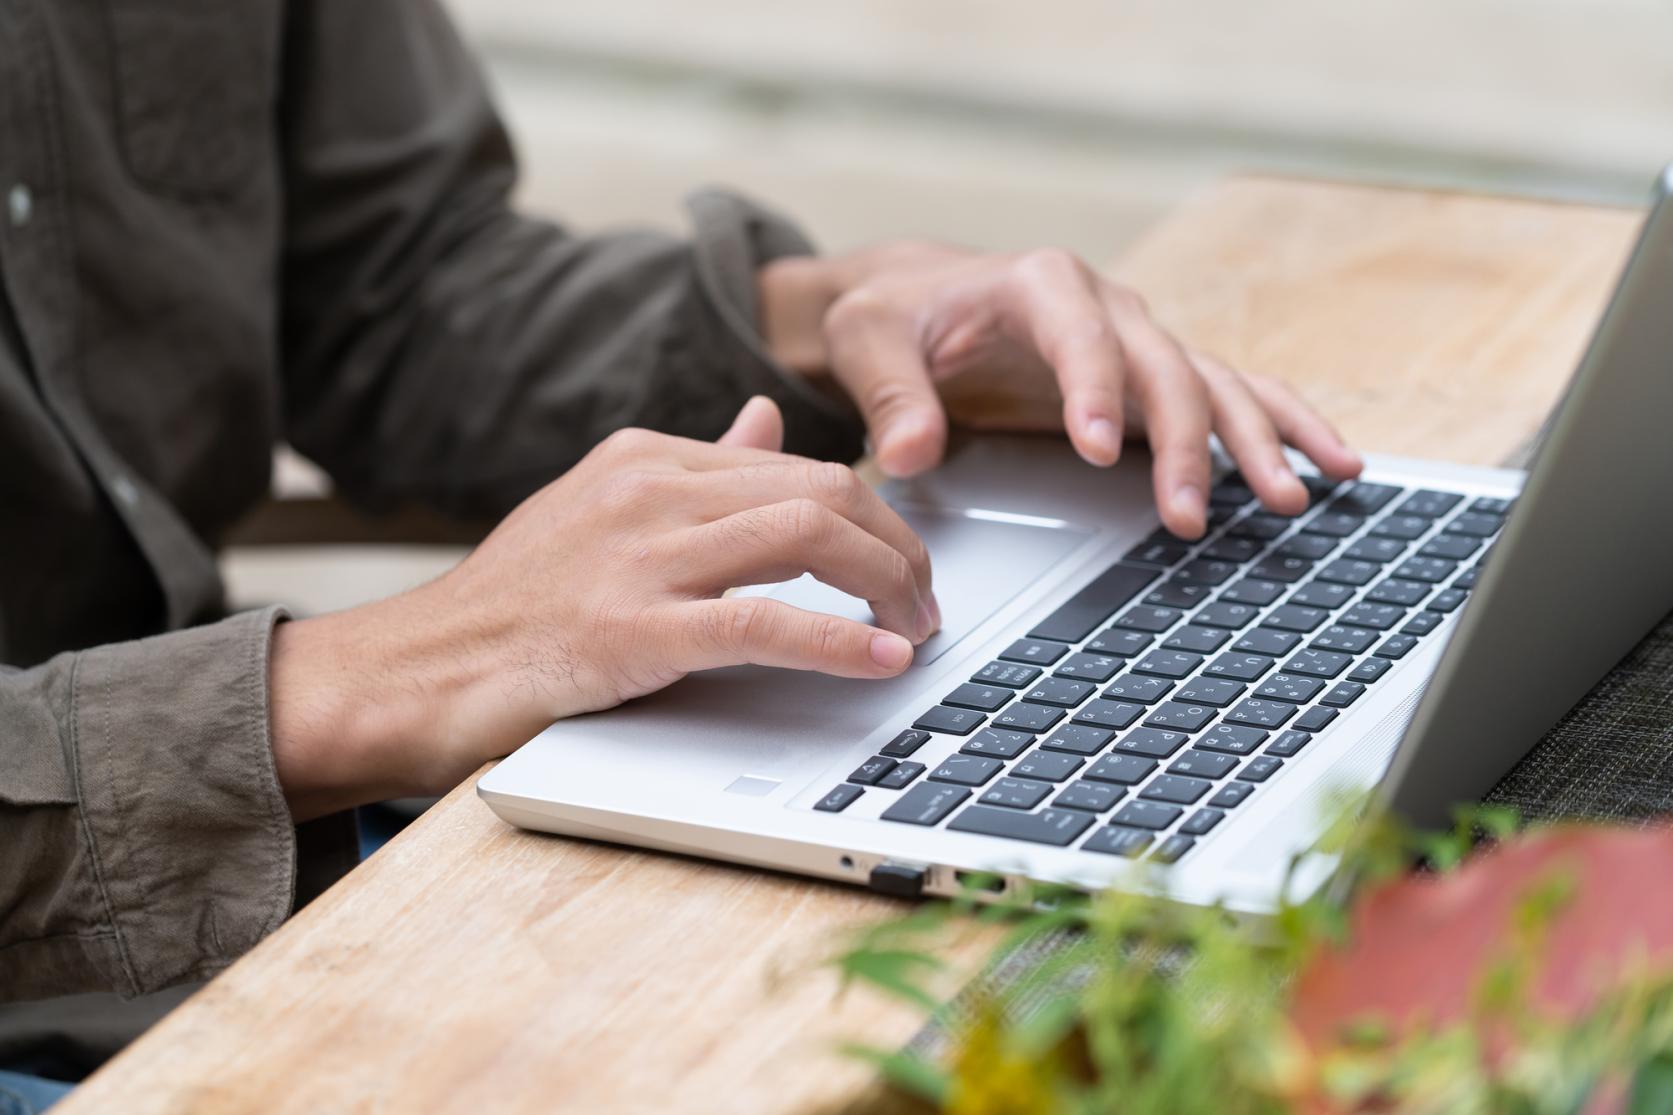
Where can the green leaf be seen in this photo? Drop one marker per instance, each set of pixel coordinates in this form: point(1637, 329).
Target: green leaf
point(1652, 1087)
point(893, 971)
point(904, 1071)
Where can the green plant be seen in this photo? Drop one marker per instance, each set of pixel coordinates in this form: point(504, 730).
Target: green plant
point(1149, 1006)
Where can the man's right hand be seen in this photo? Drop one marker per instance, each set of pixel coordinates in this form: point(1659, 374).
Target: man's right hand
point(605, 585)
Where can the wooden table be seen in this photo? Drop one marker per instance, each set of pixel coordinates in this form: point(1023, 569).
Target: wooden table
point(471, 967)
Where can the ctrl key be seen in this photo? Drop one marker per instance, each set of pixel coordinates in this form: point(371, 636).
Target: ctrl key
point(1113, 840)
point(927, 804)
point(839, 799)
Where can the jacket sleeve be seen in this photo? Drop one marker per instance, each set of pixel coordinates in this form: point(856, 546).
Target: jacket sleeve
point(144, 840)
point(438, 345)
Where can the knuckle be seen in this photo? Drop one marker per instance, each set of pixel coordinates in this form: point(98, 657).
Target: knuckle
point(804, 522)
point(1051, 264)
point(858, 309)
point(827, 638)
point(630, 442)
point(627, 490)
point(835, 483)
point(884, 397)
point(737, 627)
point(1127, 301)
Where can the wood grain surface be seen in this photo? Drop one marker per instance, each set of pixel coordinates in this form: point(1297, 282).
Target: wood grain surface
point(469, 967)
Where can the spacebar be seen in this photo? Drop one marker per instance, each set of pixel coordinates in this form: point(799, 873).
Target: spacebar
point(1095, 603)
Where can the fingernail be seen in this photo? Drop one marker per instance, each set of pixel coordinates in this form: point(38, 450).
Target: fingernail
point(926, 622)
point(1189, 498)
point(890, 651)
point(1104, 438)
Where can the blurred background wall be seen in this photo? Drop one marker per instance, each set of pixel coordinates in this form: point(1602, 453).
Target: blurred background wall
point(1005, 123)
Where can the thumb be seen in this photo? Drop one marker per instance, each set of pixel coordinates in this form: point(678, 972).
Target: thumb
point(759, 425)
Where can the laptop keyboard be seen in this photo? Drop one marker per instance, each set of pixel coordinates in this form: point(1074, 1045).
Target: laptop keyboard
point(1168, 691)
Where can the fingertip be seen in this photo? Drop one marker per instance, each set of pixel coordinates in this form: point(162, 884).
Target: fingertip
point(1184, 512)
point(891, 652)
point(1099, 442)
point(911, 444)
point(1285, 494)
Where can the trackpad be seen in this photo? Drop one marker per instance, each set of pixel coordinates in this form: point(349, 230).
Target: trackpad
point(980, 564)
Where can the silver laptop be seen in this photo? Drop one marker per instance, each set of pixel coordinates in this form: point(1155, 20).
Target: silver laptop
point(1105, 697)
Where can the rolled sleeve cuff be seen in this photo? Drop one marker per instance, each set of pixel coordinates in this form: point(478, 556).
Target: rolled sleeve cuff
point(191, 842)
point(733, 238)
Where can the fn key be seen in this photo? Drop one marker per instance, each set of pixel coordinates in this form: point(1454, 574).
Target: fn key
point(1095, 603)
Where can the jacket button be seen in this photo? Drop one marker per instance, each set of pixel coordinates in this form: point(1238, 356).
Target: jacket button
point(20, 203)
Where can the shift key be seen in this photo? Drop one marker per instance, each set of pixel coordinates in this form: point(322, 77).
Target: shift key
point(1083, 612)
point(926, 804)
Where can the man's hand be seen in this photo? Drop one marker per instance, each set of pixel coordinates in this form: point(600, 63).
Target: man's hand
point(914, 333)
point(605, 585)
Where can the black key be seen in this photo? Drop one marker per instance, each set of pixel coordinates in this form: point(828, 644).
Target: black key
point(1201, 822)
point(905, 743)
point(1260, 768)
point(1404, 527)
point(1089, 667)
point(1379, 550)
point(1146, 815)
point(1148, 618)
point(1135, 688)
point(1016, 793)
point(1429, 504)
point(1012, 675)
point(1294, 617)
point(1038, 652)
point(1048, 826)
point(1078, 739)
point(1171, 849)
point(1364, 498)
point(1233, 739)
point(1288, 743)
point(1180, 717)
point(1230, 794)
point(1343, 694)
point(1115, 841)
point(1167, 663)
point(1315, 719)
point(1062, 692)
point(1467, 579)
point(1318, 487)
point(1024, 716)
point(1337, 524)
point(1422, 623)
point(1232, 549)
point(1162, 552)
point(1152, 742)
point(901, 777)
point(1378, 617)
point(1447, 599)
point(1178, 594)
point(997, 742)
point(983, 697)
point(1231, 490)
point(1346, 572)
point(1349, 640)
point(1432, 570)
point(838, 799)
point(1259, 713)
point(868, 772)
point(1090, 796)
point(1176, 789)
point(1239, 667)
point(1201, 640)
point(1396, 646)
point(1252, 591)
point(1318, 663)
point(1118, 643)
point(1370, 670)
point(1048, 766)
point(1494, 505)
point(1127, 770)
point(1081, 614)
point(957, 721)
point(1225, 613)
point(1476, 523)
point(926, 804)
point(1287, 570)
point(966, 770)
point(1404, 593)
point(1210, 691)
point(1322, 594)
point(1265, 640)
point(1109, 714)
point(1197, 763)
point(1219, 514)
point(1293, 688)
point(1455, 547)
point(1308, 547)
point(1260, 526)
